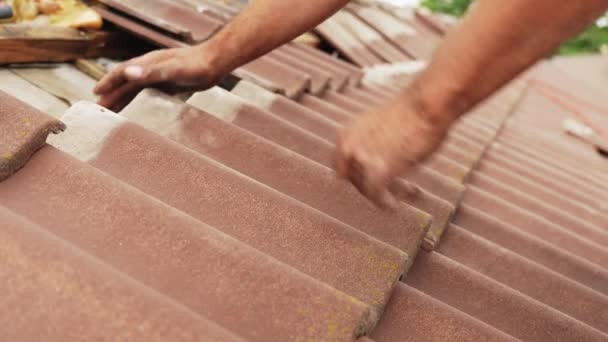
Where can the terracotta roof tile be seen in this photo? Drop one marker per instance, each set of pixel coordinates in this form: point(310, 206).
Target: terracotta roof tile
point(512, 312)
point(311, 147)
point(526, 276)
point(338, 77)
point(349, 104)
point(272, 74)
point(275, 224)
point(369, 37)
point(536, 225)
point(122, 231)
point(569, 222)
point(435, 321)
point(399, 32)
point(58, 293)
point(23, 130)
point(550, 196)
point(347, 43)
point(441, 210)
point(354, 73)
point(277, 167)
point(319, 78)
point(316, 124)
point(138, 29)
point(288, 110)
point(533, 248)
point(229, 214)
point(170, 16)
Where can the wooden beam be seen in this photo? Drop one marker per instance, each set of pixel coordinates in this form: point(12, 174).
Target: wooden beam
point(28, 44)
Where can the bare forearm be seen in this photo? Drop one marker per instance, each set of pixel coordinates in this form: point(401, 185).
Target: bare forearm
point(264, 25)
point(496, 41)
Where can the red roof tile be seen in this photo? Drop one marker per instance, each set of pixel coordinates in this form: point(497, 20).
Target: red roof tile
point(23, 130)
point(57, 292)
point(174, 220)
point(170, 16)
point(512, 312)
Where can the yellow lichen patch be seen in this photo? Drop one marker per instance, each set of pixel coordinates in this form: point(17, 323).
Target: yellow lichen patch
point(8, 156)
point(380, 264)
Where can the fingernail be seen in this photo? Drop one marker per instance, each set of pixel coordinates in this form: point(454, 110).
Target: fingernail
point(134, 71)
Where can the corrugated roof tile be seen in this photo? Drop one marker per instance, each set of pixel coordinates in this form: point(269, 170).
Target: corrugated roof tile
point(267, 220)
point(523, 256)
point(526, 276)
point(511, 311)
point(170, 16)
point(56, 292)
point(434, 321)
point(276, 167)
point(533, 248)
point(23, 131)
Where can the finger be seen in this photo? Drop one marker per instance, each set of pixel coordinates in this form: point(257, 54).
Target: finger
point(378, 192)
point(120, 97)
point(387, 200)
point(370, 178)
point(132, 70)
point(111, 81)
point(403, 189)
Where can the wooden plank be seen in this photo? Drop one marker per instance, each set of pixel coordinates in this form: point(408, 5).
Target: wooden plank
point(29, 44)
point(63, 80)
point(25, 91)
point(91, 68)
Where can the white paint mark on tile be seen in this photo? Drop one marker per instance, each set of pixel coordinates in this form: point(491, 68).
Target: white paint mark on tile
point(155, 111)
point(255, 94)
point(390, 74)
point(219, 103)
point(88, 128)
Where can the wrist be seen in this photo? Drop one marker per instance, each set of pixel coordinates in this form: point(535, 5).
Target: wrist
point(212, 62)
point(428, 109)
point(439, 98)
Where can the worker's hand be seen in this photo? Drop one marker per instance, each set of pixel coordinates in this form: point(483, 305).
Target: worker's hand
point(171, 70)
point(382, 145)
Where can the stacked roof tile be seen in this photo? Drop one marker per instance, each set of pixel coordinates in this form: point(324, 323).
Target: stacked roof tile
point(220, 218)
